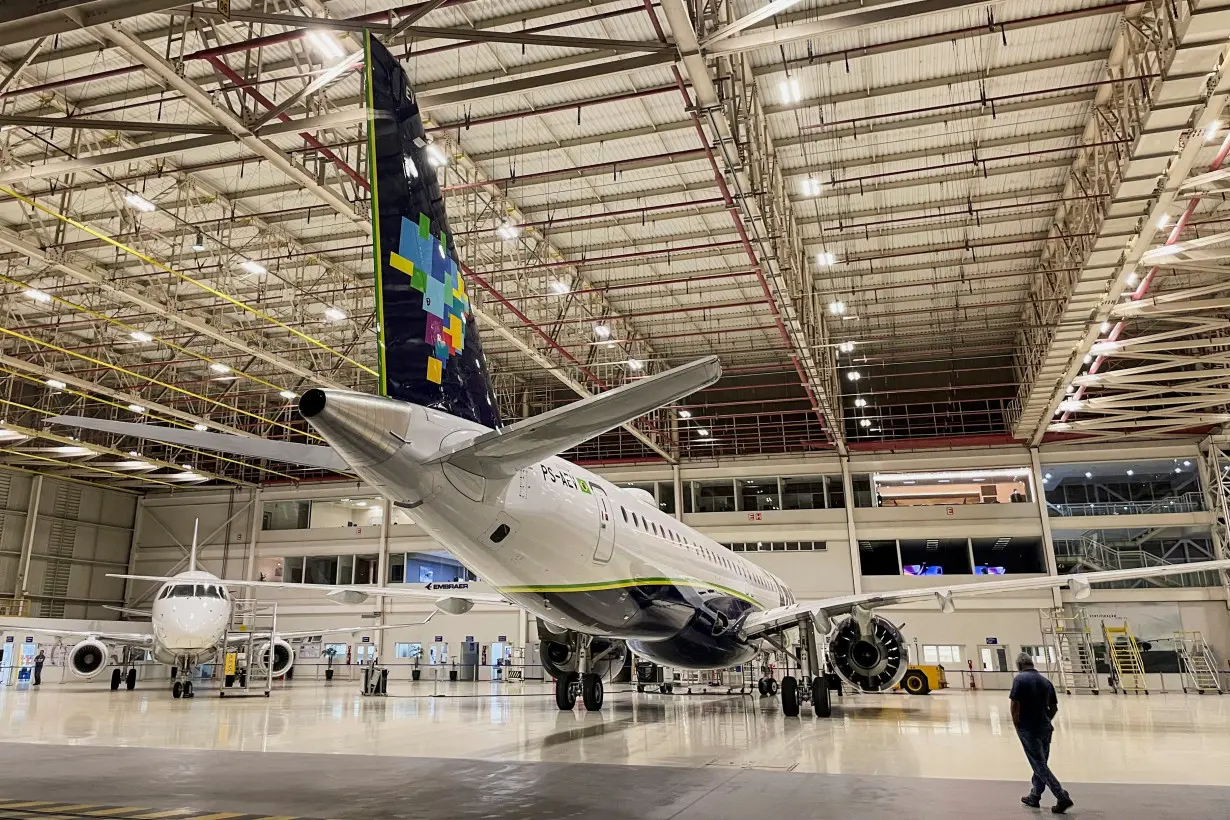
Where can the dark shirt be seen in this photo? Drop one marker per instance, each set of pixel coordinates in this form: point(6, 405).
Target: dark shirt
point(1036, 696)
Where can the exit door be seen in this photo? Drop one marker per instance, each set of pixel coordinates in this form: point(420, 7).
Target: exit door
point(606, 528)
point(365, 652)
point(994, 658)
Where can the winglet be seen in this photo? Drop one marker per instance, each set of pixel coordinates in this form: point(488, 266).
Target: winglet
point(501, 453)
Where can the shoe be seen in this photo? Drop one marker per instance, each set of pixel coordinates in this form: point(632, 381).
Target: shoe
point(1031, 801)
point(1063, 805)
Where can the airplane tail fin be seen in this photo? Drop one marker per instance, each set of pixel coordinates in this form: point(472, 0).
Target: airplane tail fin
point(196, 523)
point(428, 343)
point(501, 453)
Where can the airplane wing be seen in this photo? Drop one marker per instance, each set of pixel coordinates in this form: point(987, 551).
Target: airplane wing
point(126, 638)
point(501, 453)
point(358, 594)
point(310, 455)
point(770, 620)
point(240, 637)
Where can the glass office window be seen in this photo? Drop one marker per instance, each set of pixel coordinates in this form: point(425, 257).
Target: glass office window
point(878, 557)
point(837, 491)
point(714, 496)
point(320, 569)
point(758, 494)
point(666, 497)
point(935, 556)
point(803, 493)
point(1008, 555)
point(293, 569)
point(397, 568)
point(863, 496)
point(286, 515)
point(365, 569)
point(345, 569)
point(947, 653)
point(408, 650)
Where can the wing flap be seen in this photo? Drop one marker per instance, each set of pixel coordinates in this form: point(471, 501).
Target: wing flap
point(309, 455)
point(501, 453)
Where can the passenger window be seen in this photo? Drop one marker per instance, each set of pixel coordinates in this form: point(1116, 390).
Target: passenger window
point(625, 512)
point(634, 521)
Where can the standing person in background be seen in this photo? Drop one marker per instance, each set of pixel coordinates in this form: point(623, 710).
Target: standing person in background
point(1034, 705)
point(39, 660)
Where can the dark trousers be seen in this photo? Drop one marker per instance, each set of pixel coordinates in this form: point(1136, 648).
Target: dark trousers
point(38, 674)
point(1037, 746)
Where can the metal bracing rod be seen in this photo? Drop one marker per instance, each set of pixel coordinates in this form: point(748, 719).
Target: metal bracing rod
point(844, 17)
point(108, 125)
point(21, 64)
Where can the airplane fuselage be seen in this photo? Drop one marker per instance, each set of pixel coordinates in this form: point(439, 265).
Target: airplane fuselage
point(189, 617)
point(577, 551)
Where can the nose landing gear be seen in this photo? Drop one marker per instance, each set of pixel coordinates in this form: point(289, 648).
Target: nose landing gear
point(182, 686)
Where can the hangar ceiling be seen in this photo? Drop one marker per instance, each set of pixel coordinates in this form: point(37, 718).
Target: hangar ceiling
point(899, 224)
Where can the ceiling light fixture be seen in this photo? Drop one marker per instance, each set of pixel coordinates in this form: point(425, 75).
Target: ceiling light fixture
point(219, 367)
point(37, 295)
point(864, 422)
point(1163, 221)
point(140, 203)
point(825, 258)
point(790, 90)
point(136, 408)
point(1211, 131)
point(846, 347)
point(702, 432)
point(334, 315)
point(635, 364)
point(602, 331)
point(141, 336)
point(508, 231)
point(837, 307)
point(200, 428)
point(328, 46)
point(1088, 475)
point(559, 288)
point(1105, 326)
point(55, 384)
point(854, 375)
point(435, 157)
point(685, 414)
point(198, 244)
point(811, 187)
point(1131, 472)
point(860, 402)
point(289, 395)
point(254, 268)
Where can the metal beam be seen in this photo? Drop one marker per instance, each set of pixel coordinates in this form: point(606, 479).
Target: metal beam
point(21, 64)
point(28, 21)
point(108, 125)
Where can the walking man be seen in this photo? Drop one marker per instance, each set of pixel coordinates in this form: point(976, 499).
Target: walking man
point(1033, 706)
point(39, 660)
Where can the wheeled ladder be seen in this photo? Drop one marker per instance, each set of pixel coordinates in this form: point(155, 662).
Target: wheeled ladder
point(1196, 663)
point(1123, 653)
point(1070, 647)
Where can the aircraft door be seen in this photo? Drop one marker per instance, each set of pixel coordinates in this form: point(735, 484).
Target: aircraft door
point(606, 527)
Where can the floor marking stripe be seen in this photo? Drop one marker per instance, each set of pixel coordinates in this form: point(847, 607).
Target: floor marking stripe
point(28, 803)
point(117, 810)
point(74, 807)
point(220, 816)
point(159, 815)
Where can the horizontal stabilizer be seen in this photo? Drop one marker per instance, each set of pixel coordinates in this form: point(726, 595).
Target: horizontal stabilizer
point(501, 453)
point(310, 455)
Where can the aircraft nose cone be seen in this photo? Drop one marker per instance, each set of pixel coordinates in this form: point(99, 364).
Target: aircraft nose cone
point(365, 430)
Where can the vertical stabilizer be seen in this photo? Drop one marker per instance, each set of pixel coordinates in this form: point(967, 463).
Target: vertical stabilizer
point(429, 349)
point(196, 523)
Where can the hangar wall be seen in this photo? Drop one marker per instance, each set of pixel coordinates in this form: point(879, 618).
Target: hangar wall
point(337, 526)
point(55, 566)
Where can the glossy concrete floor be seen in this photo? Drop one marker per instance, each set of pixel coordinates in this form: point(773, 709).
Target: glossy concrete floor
point(880, 755)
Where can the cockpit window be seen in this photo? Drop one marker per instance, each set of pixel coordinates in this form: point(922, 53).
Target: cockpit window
point(182, 591)
point(166, 593)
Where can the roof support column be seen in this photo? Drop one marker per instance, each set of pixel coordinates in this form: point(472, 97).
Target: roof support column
point(856, 566)
point(27, 542)
point(1214, 476)
point(1048, 541)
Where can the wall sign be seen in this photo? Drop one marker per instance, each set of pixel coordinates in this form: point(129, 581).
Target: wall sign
point(366, 639)
point(992, 641)
point(502, 639)
point(754, 516)
point(29, 639)
point(949, 511)
point(469, 639)
point(8, 638)
point(439, 638)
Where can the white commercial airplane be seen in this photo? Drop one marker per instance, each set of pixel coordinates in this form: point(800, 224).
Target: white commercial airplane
point(189, 619)
point(600, 567)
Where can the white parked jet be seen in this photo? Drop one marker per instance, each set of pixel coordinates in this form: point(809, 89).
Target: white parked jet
point(601, 568)
point(189, 621)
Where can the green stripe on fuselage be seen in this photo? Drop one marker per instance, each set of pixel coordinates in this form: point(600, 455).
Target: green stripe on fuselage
point(632, 582)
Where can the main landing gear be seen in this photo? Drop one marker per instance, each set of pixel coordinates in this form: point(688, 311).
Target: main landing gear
point(812, 687)
point(585, 683)
point(129, 679)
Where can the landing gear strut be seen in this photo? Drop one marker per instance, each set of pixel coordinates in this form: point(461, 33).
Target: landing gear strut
point(182, 686)
point(584, 682)
point(812, 687)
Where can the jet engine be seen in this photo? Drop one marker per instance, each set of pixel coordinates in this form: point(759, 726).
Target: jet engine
point(559, 655)
point(871, 657)
point(88, 659)
point(283, 657)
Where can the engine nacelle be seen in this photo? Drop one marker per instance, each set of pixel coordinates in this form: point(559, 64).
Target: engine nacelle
point(560, 658)
point(283, 657)
point(874, 659)
point(88, 659)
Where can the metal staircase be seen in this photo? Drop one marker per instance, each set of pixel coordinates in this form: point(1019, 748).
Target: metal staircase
point(1123, 653)
point(1089, 554)
point(1196, 663)
point(1068, 640)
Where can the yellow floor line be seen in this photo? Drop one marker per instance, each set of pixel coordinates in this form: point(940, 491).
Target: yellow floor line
point(75, 807)
point(219, 816)
point(117, 810)
point(159, 815)
point(27, 804)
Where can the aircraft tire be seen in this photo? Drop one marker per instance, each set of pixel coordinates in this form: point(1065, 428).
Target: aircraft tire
point(130, 680)
point(790, 696)
point(771, 686)
point(115, 679)
point(565, 697)
point(188, 693)
point(591, 692)
point(821, 697)
point(177, 689)
point(763, 686)
point(915, 682)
